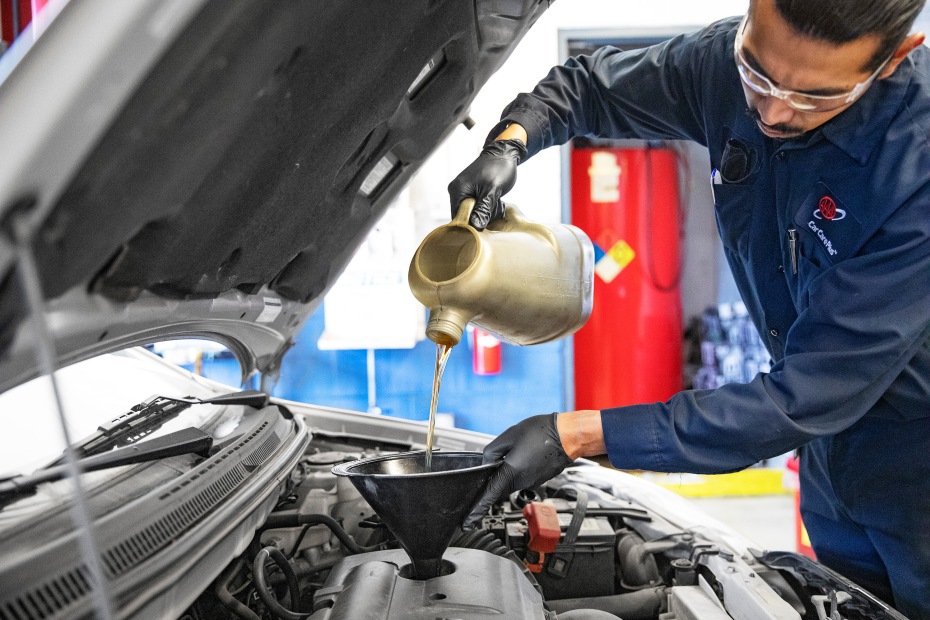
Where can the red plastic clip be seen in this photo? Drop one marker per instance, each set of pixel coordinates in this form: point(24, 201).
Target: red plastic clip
point(542, 522)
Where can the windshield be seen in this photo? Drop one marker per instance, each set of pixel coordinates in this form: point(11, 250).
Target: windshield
point(92, 392)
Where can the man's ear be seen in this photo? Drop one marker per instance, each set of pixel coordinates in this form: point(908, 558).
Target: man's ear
point(908, 45)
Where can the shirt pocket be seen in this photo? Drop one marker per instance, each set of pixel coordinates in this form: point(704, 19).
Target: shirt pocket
point(828, 227)
point(808, 269)
point(828, 233)
point(733, 208)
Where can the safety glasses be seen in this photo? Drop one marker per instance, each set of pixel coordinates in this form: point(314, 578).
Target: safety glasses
point(799, 101)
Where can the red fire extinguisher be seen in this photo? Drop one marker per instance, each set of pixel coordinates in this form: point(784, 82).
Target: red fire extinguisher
point(486, 353)
point(627, 201)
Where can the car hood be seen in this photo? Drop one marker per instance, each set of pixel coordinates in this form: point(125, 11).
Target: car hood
point(206, 168)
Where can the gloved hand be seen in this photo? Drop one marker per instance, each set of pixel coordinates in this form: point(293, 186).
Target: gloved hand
point(532, 453)
point(489, 177)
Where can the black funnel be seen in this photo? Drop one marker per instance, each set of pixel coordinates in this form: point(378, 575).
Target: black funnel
point(422, 508)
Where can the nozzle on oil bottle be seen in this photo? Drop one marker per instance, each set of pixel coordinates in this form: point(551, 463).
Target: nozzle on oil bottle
point(445, 326)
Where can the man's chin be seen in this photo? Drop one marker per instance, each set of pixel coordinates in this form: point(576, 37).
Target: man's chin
point(784, 134)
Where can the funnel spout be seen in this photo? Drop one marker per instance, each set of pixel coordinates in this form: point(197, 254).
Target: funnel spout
point(422, 508)
point(427, 568)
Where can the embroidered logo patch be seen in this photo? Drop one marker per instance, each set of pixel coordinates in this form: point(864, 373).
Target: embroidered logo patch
point(826, 209)
point(829, 223)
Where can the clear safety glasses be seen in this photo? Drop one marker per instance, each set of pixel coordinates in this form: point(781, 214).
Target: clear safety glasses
point(799, 101)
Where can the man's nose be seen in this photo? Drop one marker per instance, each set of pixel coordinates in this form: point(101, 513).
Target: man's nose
point(774, 111)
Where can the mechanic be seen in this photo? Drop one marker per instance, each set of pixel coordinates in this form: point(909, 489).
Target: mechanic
point(817, 119)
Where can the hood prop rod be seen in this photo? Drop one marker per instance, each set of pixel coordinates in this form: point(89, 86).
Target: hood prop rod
point(23, 232)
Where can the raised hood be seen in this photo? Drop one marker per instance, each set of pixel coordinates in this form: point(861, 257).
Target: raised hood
point(180, 168)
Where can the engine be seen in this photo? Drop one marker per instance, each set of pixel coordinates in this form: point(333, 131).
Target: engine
point(569, 550)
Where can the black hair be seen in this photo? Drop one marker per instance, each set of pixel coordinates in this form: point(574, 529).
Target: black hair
point(841, 21)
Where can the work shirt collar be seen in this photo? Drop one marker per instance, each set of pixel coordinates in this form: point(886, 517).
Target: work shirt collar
point(859, 129)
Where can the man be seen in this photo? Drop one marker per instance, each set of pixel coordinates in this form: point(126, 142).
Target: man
point(817, 119)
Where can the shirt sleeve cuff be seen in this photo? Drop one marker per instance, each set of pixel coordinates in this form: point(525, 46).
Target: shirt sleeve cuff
point(530, 121)
point(631, 436)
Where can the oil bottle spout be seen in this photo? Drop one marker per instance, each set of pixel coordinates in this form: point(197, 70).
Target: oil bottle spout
point(446, 326)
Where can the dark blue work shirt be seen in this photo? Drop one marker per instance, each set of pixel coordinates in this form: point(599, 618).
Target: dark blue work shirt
point(847, 318)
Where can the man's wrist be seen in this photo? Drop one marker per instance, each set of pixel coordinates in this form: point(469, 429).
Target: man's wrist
point(581, 433)
point(513, 131)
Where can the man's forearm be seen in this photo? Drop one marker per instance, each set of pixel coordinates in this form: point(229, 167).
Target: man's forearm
point(581, 433)
point(514, 131)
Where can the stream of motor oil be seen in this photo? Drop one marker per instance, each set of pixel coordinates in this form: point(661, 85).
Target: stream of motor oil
point(442, 356)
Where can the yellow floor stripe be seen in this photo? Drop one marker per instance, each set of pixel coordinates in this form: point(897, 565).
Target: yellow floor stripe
point(753, 481)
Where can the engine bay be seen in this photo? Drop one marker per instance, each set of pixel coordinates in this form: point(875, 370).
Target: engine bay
point(324, 554)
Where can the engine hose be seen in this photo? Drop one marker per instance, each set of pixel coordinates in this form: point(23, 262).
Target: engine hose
point(261, 586)
point(484, 540)
point(230, 602)
point(295, 519)
point(639, 605)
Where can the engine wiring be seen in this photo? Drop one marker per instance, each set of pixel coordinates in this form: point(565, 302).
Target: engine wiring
point(261, 586)
point(609, 544)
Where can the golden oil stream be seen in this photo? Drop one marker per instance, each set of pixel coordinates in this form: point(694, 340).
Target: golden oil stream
point(442, 356)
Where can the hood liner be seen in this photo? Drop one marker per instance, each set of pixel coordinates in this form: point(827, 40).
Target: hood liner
point(238, 163)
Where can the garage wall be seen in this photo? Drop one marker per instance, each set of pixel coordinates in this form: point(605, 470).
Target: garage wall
point(538, 189)
point(532, 379)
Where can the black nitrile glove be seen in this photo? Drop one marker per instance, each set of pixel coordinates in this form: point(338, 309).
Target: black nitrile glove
point(486, 179)
point(532, 453)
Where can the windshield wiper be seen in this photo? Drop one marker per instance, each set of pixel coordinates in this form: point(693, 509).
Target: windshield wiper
point(186, 441)
point(148, 416)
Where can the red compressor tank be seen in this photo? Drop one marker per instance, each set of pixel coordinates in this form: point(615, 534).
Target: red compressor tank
point(15, 15)
point(627, 201)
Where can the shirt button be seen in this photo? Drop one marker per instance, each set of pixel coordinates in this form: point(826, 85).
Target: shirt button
point(780, 154)
point(781, 269)
point(774, 332)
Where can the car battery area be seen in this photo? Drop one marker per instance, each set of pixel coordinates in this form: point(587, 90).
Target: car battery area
point(557, 539)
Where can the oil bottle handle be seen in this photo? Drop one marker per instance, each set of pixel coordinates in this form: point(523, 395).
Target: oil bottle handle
point(514, 221)
point(464, 212)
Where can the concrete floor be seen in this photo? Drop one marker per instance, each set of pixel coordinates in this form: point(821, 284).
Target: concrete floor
point(767, 520)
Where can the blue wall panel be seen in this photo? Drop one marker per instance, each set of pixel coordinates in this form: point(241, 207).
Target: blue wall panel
point(530, 382)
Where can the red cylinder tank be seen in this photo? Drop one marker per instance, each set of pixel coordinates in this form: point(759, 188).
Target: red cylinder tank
point(627, 201)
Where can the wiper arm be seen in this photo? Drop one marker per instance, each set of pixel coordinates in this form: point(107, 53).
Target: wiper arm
point(148, 416)
point(186, 441)
point(125, 432)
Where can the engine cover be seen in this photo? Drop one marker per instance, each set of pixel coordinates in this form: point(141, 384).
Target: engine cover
point(478, 585)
